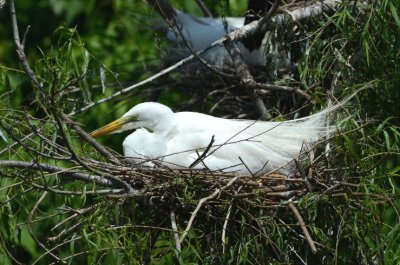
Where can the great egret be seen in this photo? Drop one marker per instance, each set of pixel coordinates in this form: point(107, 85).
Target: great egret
point(246, 147)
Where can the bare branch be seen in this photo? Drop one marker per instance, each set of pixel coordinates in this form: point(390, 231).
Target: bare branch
point(29, 221)
point(303, 227)
point(91, 141)
point(200, 204)
point(175, 229)
point(53, 169)
point(204, 8)
point(19, 47)
point(204, 154)
point(259, 87)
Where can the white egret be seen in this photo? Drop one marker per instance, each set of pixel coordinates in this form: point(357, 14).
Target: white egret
point(246, 147)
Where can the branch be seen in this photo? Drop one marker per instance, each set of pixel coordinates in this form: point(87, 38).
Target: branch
point(163, 8)
point(225, 227)
point(238, 34)
point(260, 88)
point(19, 47)
point(175, 229)
point(101, 149)
point(201, 202)
point(204, 8)
point(58, 170)
point(303, 227)
point(279, 20)
point(203, 155)
point(29, 222)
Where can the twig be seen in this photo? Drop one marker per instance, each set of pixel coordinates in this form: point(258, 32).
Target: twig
point(203, 155)
point(19, 47)
point(201, 202)
point(74, 193)
point(58, 170)
point(101, 149)
point(296, 90)
point(225, 226)
point(141, 83)
point(311, 157)
point(77, 212)
point(176, 234)
point(303, 227)
point(55, 247)
point(204, 8)
point(163, 8)
point(248, 169)
point(29, 221)
point(128, 188)
point(26, 137)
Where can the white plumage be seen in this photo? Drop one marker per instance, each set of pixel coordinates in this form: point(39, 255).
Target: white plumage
point(177, 139)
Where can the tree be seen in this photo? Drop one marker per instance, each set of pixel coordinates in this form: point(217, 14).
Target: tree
point(66, 198)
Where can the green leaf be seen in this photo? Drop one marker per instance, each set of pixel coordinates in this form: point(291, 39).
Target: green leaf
point(3, 136)
point(394, 13)
point(394, 171)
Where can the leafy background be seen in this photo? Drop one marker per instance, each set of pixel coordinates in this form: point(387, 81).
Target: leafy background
point(115, 44)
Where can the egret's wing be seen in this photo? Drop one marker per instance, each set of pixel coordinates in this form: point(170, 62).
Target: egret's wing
point(261, 145)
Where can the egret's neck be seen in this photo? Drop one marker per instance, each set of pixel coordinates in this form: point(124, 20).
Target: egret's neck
point(162, 126)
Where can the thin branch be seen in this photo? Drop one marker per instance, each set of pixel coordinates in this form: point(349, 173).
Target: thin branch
point(29, 221)
point(128, 188)
point(203, 155)
point(176, 234)
point(223, 236)
point(79, 193)
point(200, 204)
point(163, 8)
point(259, 87)
point(53, 169)
point(77, 212)
point(204, 8)
point(303, 227)
point(19, 47)
point(101, 149)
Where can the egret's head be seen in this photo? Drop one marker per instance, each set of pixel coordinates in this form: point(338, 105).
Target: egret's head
point(149, 115)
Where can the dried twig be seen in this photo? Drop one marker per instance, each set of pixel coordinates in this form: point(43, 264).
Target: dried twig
point(203, 7)
point(223, 236)
point(29, 221)
point(260, 87)
point(303, 227)
point(91, 141)
point(19, 47)
point(200, 204)
point(53, 169)
point(176, 234)
point(203, 155)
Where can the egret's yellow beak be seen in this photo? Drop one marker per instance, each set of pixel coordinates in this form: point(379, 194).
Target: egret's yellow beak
point(111, 127)
point(115, 125)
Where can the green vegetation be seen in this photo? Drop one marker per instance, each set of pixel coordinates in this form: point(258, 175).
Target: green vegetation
point(83, 51)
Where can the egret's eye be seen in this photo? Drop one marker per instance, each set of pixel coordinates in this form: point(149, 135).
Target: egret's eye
point(131, 118)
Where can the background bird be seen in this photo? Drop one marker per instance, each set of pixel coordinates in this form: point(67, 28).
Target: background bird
point(247, 147)
point(200, 32)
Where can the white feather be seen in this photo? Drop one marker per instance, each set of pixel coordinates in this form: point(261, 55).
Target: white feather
point(177, 140)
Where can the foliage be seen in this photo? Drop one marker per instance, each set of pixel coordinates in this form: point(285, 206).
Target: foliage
point(92, 49)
